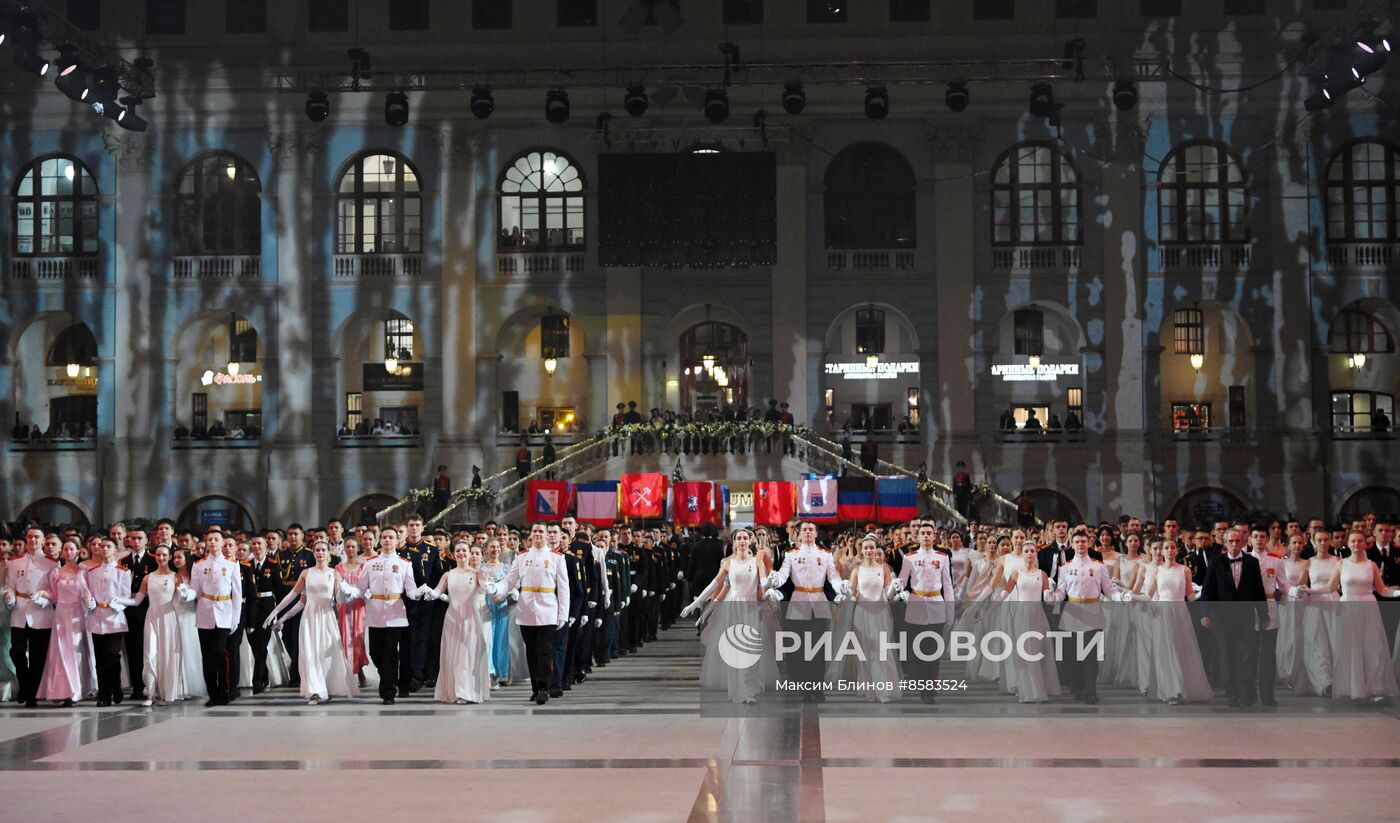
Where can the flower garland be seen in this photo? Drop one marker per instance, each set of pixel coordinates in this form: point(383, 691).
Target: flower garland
point(722, 429)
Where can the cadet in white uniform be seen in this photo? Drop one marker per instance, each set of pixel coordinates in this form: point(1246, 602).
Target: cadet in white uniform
point(31, 616)
point(1084, 582)
point(927, 581)
point(386, 580)
point(219, 584)
point(539, 577)
point(110, 586)
point(809, 567)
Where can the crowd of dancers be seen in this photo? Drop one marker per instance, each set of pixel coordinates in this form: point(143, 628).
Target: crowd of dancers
point(1180, 614)
point(210, 616)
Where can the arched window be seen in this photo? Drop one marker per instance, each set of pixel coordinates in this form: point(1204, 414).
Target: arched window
point(378, 207)
point(75, 344)
point(1363, 192)
point(218, 208)
point(1203, 196)
point(55, 208)
point(1035, 197)
point(870, 199)
point(541, 202)
point(1356, 331)
point(714, 361)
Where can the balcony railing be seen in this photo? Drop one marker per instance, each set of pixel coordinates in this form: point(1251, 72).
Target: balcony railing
point(507, 439)
point(55, 444)
point(73, 267)
point(217, 267)
point(1363, 255)
point(1035, 258)
point(841, 260)
point(1363, 433)
point(217, 443)
point(378, 441)
point(1223, 434)
point(1042, 436)
point(378, 265)
point(1205, 256)
point(528, 263)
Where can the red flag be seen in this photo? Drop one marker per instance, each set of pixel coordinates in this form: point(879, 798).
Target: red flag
point(546, 500)
point(644, 495)
point(774, 502)
point(693, 502)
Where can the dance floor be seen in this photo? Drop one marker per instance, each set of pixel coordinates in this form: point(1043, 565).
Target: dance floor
point(641, 742)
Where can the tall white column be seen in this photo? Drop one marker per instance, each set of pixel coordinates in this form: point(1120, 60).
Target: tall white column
point(946, 377)
point(624, 313)
point(792, 379)
point(461, 254)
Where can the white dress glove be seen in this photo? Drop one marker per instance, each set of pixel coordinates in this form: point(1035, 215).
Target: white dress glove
point(839, 598)
point(634, 589)
point(116, 608)
point(902, 597)
point(597, 621)
point(680, 575)
point(515, 596)
point(773, 595)
point(593, 604)
point(9, 599)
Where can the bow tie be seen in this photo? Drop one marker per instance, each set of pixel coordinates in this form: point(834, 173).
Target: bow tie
point(1237, 560)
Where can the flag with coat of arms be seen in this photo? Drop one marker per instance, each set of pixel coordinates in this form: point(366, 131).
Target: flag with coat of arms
point(547, 500)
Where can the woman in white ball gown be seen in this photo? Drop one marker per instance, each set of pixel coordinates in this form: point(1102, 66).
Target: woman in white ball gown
point(737, 590)
point(1178, 673)
point(464, 670)
point(320, 653)
point(1032, 681)
point(1361, 665)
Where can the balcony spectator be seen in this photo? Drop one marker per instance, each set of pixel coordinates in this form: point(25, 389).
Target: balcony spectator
point(20, 431)
point(1032, 422)
point(1025, 511)
point(476, 477)
point(200, 432)
point(344, 430)
point(442, 488)
point(253, 431)
point(1072, 422)
point(533, 428)
point(1055, 424)
point(847, 453)
point(1380, 423)
point(217, 430)
point(547, 456)
point(236, 433)
point(182, 432)
point(962, 490)
point(522, 460)
point(905, 427)
point(619, 419)
point(869, 452)
point(788, 420)
point(633, 416)
point(1007, 423)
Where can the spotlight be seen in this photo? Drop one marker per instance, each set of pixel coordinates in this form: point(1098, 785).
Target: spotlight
point(1319, 100)
point(128, 119)
point(1042, 102)
point(67, 61)
point(110, 109)
point(318, 106)
point(22, 35)
point(1125, 95)
point(634, 100)
point(716, 106)
point(28, 59)
point(1370, 55)
point(877, 103)
point(483, 104)
point(556, 106)
point(74, 84)
point(794, 98)
point(957, 96)
point(396, 108)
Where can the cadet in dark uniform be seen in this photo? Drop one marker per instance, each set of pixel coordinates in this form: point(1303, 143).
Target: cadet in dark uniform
point(579, 651)
point(441, 540)
point(558, 682)
point(427, 571)
point(140, 563)
point(262, 591)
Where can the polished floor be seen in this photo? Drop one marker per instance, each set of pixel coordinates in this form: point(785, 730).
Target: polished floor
point(640, 742)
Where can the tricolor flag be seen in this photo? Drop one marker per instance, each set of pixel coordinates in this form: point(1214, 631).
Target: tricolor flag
point(693, 502)
point(818, 500)
point(896, 499)
point(644, 495)
point(774, 502)
point(546, 500)
point(855, 498)
point(597, 502)
point(721, 517)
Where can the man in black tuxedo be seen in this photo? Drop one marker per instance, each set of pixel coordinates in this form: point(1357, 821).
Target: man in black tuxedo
point(706, 554)
point(1234, 578)
point(1387, 558)
point(1059, 551)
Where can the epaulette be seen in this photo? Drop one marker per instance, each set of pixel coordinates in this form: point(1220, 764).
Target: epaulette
point(556, 551)
point(825, 549)
point(792, 548)
point(245, 563)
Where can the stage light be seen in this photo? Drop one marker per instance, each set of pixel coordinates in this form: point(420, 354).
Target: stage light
point(128, 119)
point(396, 108)
point(1042, 100)
point(104, 88)
point(716, 106)
point(1370, 55)
point(67, 61)
point(28, 59)
point(634, 100)
point(74, 85)
point(20, 33)
point(1319, 100)
point(794, 98)
point(877, 103)
point(318, 106)
point(556, 106)
point(957, 97)
point(109, 110)
point(1125, 95)
point(483, 104)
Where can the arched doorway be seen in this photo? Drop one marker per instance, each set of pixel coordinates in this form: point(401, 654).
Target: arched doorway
point(714, 367)
point(1379, 500)
point(1051, 505)
point(1205, 505)
point(55, 512)
point(362, 512)
point(215, 511)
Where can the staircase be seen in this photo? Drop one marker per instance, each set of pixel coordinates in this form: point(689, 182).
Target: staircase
point(606, 456)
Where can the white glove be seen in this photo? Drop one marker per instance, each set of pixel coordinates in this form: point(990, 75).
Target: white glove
point(437, 595)
point(895, 586)
point(116, 608)
point(634, 589)
point(902, 597)
point(689, 610)
point(670, 587)
point(562, 624)
point(772, 581)
point(593, 604)
point(845, 590)
point(626, 602)
point(598, 621)
point(269, 621)
point(1000, 596)
point(348, 591)
point(9, 599)
point(773, 595)
point(277, 624)
point(515, 595)
point(491, 588)
point(680, 575)
point(186, 593)
point(571, 621)
point(90, 604)
point(40, 600)
point(839, 598)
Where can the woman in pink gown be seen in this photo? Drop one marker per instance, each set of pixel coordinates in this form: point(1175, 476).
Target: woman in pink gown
point(63, 669)
point(352, 613)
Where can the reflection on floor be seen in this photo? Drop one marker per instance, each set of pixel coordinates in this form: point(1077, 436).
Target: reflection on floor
point(641, 742)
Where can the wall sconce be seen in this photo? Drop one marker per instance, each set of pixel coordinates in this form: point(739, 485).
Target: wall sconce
point(73, 369)
point(872, 361)
point(1034, 361)
point(550, 364)
point(708, 361)
point(1356, 361)
point(1198, 360)
point(233, 368)
point(391, 364)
